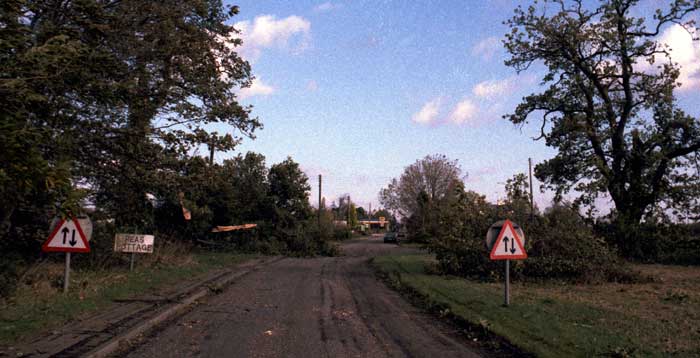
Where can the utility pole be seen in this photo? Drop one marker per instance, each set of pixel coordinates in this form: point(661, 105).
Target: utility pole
point(348, 212)
point(532, 198)
point(319, 201)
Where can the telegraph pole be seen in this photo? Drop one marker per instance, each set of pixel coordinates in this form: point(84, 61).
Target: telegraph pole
point(319, 201)
point(532, 198)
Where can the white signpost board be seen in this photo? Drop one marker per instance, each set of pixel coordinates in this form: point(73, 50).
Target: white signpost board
point(134, 243)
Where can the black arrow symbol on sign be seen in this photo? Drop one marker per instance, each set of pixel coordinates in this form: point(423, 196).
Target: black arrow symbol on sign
point(65, 233)
point(512, 247)
point(72, 241)
point(506, 241)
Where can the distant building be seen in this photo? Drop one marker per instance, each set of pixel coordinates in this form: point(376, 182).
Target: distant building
point(375, 224)
point(370, 224)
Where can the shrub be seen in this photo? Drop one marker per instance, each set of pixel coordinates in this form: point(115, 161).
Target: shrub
point(9, 274)
point(655, 243)
point(341, 233)
point(465, 257)
point(559, 245)
point(459, 245)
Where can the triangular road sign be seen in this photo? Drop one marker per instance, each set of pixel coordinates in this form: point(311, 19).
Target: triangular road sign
point(508, 245)
point(68, 236)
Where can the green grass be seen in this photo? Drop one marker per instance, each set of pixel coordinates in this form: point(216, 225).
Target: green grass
point(412, 245)
point(38, 308)
point(554, 320)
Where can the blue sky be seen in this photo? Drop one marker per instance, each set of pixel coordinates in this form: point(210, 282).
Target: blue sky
point(358, 90)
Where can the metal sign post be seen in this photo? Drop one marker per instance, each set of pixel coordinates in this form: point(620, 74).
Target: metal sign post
point(68, 236)
point(507, 288)
point(506, 241)
point(133, 254)
point(66, 275)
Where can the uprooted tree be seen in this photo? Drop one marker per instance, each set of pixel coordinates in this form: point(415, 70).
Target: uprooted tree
point(608, 105)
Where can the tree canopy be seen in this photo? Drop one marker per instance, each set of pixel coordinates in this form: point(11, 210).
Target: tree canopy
point(289, 189)
point(608, 105)
point(108, 96)
point(432, 177)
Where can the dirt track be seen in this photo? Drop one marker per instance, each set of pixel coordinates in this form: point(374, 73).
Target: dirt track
point(322, 307)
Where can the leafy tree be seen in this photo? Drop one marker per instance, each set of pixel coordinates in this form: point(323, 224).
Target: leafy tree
point(382, 213)
point(362, 213)
point(102, 102)
point(248, 178)
point(417, 196)
point(609, 106)
point(110, 95)
point(434, 175)
point(352, 216)
point(289, 190)
point(423, 225)
point(459, 239)
point(517, 203)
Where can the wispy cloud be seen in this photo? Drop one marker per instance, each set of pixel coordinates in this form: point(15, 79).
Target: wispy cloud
point(257, 88)
point(487, 48)
point(429, 112)
point(483, 105)
point(326, 6)
point(266, 31)
point(494, 88)
point(463, 112)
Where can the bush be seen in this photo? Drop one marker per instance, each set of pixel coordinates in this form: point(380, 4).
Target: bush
point(655, 243)
point(9, 274)
point(559, 245)
point(459, 245)
point(341, 233)
point(562, 246)
point(466, 257)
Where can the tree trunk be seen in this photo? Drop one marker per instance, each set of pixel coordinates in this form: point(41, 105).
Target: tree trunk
point(629, 236)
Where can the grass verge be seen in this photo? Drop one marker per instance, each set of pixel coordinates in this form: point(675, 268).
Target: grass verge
point(41, 306)
point(656, 319)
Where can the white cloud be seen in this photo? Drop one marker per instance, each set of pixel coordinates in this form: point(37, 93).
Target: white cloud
point(684, 51)
point(464, 111)
point(326, 6)
point(487, 47)
point(257, 88)
point(265, 31)
point(495, 88)
point(429, 112)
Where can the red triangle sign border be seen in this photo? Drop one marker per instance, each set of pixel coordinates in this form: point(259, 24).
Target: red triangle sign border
point(46, 248)
point(494, 256)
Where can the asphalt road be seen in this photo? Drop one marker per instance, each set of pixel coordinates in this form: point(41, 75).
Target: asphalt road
point(321, 307)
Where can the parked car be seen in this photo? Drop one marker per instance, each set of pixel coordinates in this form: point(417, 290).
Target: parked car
point(390, 237)
point(401, 235)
